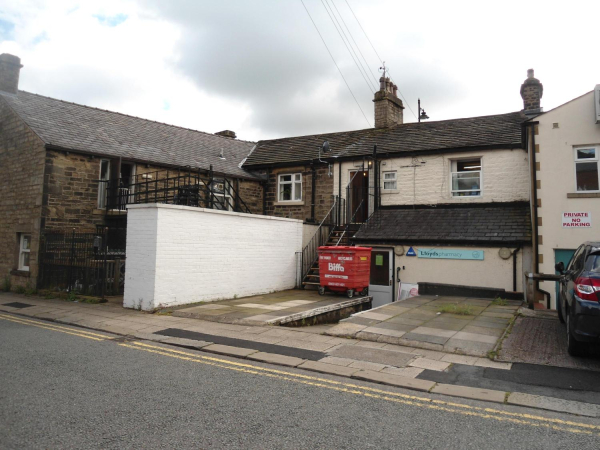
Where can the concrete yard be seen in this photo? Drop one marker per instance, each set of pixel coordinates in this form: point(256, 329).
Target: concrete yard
point(424, 322)
point(279, 308)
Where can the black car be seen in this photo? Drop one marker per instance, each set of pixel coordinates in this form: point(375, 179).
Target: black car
point(579, 302)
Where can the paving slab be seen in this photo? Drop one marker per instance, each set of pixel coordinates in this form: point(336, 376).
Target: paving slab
point(487, 395)
point(554, 404)
point(463, 335)
point(365, 365)
point(394, 380)
point(345, 329)
point(470, 348)
point(410, 372)
point(434, 332)
point(425, 338)
point(384, 331)
point(332, 369)
point(374, 355)
point(337, 361)
point(460, 359)
point(274, 358)
point(430, 364)
point(485, 362)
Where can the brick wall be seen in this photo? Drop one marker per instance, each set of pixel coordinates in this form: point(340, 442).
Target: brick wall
point(21, 172)
point(301, 210)
point(178, 255)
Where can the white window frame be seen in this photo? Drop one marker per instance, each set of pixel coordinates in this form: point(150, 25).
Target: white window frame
point(23, 251)
point(223, 195)
point(454, 169)
point(390, 180)
point(103, 186)
point(296, 179)
point(577, 160)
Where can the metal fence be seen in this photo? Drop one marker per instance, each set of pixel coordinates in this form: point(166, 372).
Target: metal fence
point(178, 187)
point(84, 263)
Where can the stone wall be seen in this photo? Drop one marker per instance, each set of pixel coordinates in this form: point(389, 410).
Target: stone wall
point(301, 210)
point(22, 173)
point(251, 192)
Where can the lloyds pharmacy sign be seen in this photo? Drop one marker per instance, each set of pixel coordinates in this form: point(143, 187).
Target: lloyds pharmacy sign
point(436, 253)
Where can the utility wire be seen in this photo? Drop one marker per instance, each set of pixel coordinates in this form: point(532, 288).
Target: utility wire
point(379, 57)
point(375, 77)
point(333, 59)
point(346, 41)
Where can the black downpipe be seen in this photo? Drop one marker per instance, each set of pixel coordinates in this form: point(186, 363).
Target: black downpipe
point(313, 194)
point(339, 215)
point(376, 180)
point(265, 185)
point(514, 255)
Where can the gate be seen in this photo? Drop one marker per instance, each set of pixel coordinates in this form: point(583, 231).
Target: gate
point(84, 263)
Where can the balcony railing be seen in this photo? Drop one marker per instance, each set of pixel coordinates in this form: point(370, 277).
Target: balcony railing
point(202, 190)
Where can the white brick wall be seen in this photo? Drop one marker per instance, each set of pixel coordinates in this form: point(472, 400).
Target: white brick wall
point(504, 173)
point(178, 255)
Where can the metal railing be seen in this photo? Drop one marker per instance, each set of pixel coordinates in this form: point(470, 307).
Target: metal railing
point(181, 187)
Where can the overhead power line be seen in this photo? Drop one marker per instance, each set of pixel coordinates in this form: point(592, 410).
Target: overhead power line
point(334, 62)
point(379, 57)
point(346, 41)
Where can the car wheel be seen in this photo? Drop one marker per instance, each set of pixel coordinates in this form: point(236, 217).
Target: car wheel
point(559, 309)
point(574, 348)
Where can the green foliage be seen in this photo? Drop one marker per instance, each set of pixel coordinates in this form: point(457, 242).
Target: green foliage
point(453, 308)
point(20, 290)
point(7, 284)
point(499, 302)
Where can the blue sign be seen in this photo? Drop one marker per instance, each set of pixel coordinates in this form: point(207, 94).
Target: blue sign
point(445, 253)
point(411, 252)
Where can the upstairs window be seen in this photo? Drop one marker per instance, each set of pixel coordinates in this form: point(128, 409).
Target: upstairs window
point(290, 187)
point(24, 249)
point(389, 181)
point(586, 169)
point(103, 183)
point(466, 178)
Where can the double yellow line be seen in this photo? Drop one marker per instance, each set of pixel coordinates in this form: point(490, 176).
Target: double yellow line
point(53, 327)
point(350, 388)
point(422, 402)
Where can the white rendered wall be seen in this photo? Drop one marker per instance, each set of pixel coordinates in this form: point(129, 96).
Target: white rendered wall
point(575, 126)
point(178, 255)
point(505, 177)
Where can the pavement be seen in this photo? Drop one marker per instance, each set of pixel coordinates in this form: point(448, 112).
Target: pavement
point(303, 348)
point(428, 322)
point(64, 386)
point(277, 308)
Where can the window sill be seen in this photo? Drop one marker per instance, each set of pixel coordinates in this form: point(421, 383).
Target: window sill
point(389, 191)
point(583, 195)
point(20, 273)
point(466, 197)
point(289, 203)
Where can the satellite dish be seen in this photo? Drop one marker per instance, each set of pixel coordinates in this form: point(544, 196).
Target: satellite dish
point(326, 148)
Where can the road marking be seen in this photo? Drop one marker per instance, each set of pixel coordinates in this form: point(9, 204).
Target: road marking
point(49, 326)
point(423, 402)
point(488, 413)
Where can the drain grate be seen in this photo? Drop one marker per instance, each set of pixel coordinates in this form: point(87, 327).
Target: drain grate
point(18, 305)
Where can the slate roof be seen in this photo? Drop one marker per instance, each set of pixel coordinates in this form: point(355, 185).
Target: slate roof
point(500, 223)
point(91, 130)
point(497, 131)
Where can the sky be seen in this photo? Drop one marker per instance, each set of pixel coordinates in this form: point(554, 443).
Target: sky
point(261, 69)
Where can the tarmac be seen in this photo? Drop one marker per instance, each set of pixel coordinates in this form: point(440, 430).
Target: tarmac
point(309, 349)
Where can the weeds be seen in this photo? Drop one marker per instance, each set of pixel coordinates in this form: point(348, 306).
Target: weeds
point(20, 290)
point(499, 302)
point(7, 284)
point(461, 310)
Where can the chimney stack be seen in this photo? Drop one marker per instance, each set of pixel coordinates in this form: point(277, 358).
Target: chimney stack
point(388, 107)
point(531, 93)
point(227, 133)
point(10, 66)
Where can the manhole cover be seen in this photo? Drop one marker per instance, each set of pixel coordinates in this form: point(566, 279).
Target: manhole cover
point(17, 305)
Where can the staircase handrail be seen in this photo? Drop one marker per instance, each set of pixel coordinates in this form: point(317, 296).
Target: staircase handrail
point(309, 252)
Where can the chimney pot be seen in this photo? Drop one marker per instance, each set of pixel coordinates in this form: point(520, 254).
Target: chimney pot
point(10, 67)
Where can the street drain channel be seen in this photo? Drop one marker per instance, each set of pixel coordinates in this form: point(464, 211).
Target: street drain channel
point(258, 346)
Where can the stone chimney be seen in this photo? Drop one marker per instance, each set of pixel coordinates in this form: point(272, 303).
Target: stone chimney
point(10, 66)
point(531, 93)
point(388, 107)
point(227, 133)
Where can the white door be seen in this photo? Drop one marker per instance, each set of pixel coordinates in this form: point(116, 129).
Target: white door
point(381, 287)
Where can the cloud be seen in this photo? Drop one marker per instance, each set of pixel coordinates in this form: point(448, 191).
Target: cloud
point(111, 21)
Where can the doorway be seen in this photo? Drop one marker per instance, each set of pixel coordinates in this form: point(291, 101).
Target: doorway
point(563, 256)
point(359, 196)
point(381, 287)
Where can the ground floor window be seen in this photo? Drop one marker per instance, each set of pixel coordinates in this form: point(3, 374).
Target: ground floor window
point(222, 199)
point(466, 177)
point(24, 249)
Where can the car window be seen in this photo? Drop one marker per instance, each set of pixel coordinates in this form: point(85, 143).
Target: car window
point(592, 263)
point(575, 262)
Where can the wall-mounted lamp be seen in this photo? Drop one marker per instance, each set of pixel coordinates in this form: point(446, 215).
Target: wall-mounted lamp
point(422, 114)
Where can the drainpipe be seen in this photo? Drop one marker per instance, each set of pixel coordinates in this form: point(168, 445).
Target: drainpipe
point(339, 218)
point(514, 255)
point(313, 195)
point(376, 180)
point(265, 185)
point(535, 213)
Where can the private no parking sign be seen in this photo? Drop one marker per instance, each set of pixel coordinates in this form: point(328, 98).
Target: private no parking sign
point(577, 220)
